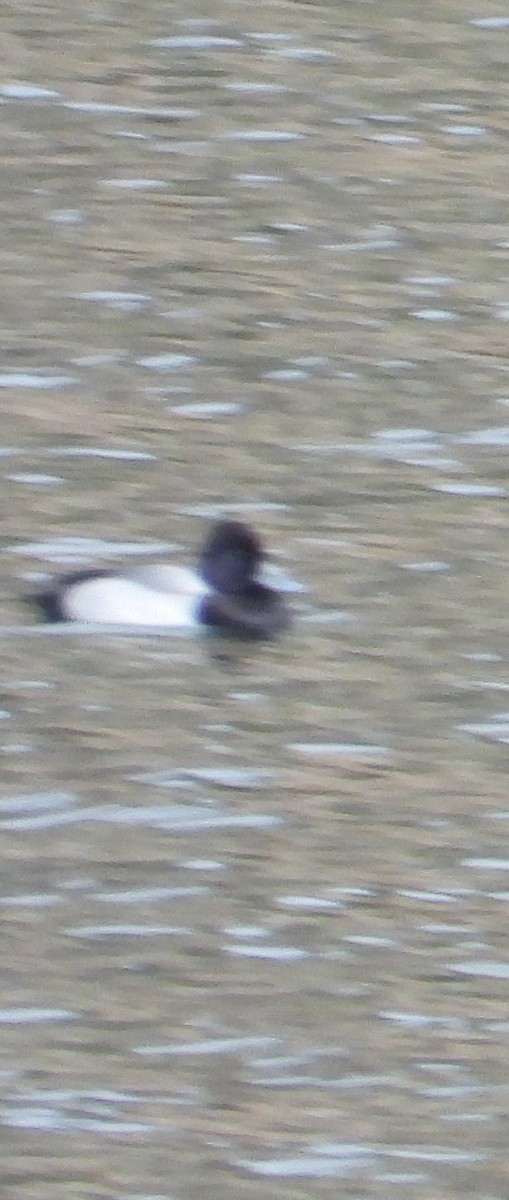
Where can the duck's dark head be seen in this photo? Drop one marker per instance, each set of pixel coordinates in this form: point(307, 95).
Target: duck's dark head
point(230, 558)
point(239, 604)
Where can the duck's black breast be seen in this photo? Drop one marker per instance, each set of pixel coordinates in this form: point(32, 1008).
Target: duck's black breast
point(256, 612)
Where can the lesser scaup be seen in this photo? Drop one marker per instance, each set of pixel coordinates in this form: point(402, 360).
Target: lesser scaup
point(225, 593)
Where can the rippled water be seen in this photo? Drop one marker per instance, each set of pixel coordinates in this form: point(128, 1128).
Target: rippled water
point(254, 898)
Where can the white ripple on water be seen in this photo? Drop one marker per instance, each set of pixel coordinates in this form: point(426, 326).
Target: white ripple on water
point(247, 931)
point(445, 106)
point(495, 730)
point(30, 379)
point(176, 818)
point(303, 53)
point(309, 903)
point(443, 927)
point(203, 864)
point(35, 1016)
point(213, 511)
point(195, 42)
point(396, 139)
point(244, 778)
point(434, 565)
point(136, 184)
point(17, 1116)
point(340, 750)
point(414, 1020)
point(308, 1079)
point(143, 895)
point(436, 1156)
point(381, 237)
point(410, 434)
point(251, 86)
point(125, 301)
point(166, 362)
point(486, 970)
point(472, 131)
point(271, 38)
point(271, 953)
point(39, 900)
point(35, 801)
point(497, 435)
point(101, 932)
point(35, 480)
point(484, 656)
point(27, 91)
point(387, 119)
point(206, 410)
point(102, 452)
point(88, 629)
point(78, 549)
point(258, 239)
point(257, 180)
point(415, 447)
point(469, 489)
point(312, 360)
point(322, 1161)
point(431, 281)
point(452, 1092)
point(435, 314)
point(98, 106)
point(64, 1109)
point(224, 1045)
point(67, 216)
point(376, 943)
point(261, 135)
point(232, 777)
point(490, 22)
point(286, 374)
point(488, 864)
point(428, 897)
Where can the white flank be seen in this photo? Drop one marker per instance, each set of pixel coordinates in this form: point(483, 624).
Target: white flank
point(153, 595)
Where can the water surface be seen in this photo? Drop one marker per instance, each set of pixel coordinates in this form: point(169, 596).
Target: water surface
point(254, 899)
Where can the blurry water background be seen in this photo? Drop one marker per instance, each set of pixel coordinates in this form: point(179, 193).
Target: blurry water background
point(255, 900)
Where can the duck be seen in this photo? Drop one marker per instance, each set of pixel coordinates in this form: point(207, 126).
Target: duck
point(225, 594)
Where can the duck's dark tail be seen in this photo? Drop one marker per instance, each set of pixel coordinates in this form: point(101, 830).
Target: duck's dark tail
point(51, 600)
point(49, 605)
